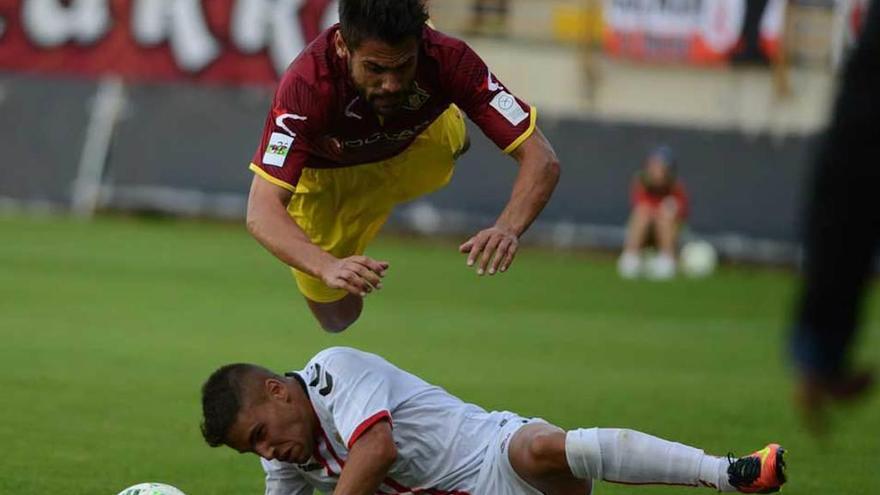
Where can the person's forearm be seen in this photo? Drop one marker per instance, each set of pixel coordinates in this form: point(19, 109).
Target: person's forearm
point(280, 235)
point(534, 185)
point(363, 474)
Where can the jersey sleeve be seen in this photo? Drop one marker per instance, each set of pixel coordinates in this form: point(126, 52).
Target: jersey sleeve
point(283, 479)
point(357, 389)
point(288, 135)
point(503, 118)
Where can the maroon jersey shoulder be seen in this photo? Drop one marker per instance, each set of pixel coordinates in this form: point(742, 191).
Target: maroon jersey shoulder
point(319, 119)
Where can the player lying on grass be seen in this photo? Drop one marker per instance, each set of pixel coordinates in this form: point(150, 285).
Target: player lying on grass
point(370, 116)
point(351, 423)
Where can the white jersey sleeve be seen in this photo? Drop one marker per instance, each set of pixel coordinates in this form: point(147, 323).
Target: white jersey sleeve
point(284, 479)
point(356, 388)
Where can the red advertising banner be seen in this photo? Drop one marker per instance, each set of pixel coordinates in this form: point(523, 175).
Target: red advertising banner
point(221, 41)
point(694, 31)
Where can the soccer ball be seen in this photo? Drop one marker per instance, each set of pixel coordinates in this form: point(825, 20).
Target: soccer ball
point(698, 259)
point(151, 489)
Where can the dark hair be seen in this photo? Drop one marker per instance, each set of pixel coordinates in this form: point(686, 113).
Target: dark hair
point(391, 21)
point(665, 154)
point(224, 394)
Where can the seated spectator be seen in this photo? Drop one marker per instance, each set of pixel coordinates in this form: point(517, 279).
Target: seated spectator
point(659, 207)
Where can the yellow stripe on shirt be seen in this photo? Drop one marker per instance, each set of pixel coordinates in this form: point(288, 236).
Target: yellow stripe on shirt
point(533, 120)
point(278, 182)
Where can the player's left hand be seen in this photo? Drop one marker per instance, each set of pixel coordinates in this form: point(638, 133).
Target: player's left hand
point(492, 250)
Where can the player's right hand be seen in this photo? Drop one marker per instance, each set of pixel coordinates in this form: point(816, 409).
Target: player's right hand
point(359, 275)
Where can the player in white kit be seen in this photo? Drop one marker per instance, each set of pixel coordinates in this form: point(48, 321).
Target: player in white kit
point(352, 423)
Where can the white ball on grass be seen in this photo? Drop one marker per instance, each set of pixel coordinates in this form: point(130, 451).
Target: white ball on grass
point(151, 489)
point(698, 259)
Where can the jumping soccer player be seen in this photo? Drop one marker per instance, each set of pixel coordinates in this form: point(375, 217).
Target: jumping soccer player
point(351, 423)
point(369, 116)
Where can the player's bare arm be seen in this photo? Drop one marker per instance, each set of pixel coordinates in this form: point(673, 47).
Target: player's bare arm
point(493, 249)
point(368, 461)
point(269, 222)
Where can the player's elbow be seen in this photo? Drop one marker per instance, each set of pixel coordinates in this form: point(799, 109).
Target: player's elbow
point(548, 176)
point(253, 223)
point(384, 450)
point(387, 452)
point(553, 170)
point(256, 220)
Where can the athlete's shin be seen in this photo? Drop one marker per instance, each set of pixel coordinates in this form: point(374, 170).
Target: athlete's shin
point(632, 457)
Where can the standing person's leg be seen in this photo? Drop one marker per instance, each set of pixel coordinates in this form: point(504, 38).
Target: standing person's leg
point(558, 462)
point(843, 224)
point(478, 16)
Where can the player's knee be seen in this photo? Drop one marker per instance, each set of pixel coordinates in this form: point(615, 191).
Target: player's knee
point(546, 447)
point(337, 316)
point(337, 323)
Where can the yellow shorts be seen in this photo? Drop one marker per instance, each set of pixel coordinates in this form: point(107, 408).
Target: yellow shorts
point(342, 209)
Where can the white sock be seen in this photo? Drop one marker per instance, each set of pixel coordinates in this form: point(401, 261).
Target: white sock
point(627, 456)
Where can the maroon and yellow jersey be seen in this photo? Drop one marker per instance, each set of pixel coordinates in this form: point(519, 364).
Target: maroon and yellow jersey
point(319, 120)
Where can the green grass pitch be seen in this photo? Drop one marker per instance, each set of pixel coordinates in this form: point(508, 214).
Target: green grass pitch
point(108, 329)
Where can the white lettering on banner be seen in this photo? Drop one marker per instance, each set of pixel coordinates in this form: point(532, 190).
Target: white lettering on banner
point(722, 23)
point(668, 17)
point(50, 23)
point(182, 24)
point(272, 24)
point(773, 21)
point(255, 25)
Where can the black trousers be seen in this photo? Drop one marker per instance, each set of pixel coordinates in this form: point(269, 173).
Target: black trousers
point(842, 216)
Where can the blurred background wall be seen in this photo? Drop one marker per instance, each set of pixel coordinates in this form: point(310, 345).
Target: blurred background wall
point(155, 105)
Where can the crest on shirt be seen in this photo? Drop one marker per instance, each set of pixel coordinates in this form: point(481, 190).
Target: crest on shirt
point(417, 99)
point(277, 149)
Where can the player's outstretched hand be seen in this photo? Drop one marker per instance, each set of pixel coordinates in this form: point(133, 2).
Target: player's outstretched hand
point(492, 250)
point(358, 275)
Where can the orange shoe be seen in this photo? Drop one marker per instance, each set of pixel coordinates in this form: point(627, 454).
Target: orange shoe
point(761, 472)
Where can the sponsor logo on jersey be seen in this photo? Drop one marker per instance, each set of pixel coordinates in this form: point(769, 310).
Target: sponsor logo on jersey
point(349, 112)
point(277, 149)
point(403, 135)
point(323, 379)
point(279, 121)
point(505, 104)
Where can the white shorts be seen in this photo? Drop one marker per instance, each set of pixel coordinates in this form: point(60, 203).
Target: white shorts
point(497, 476)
